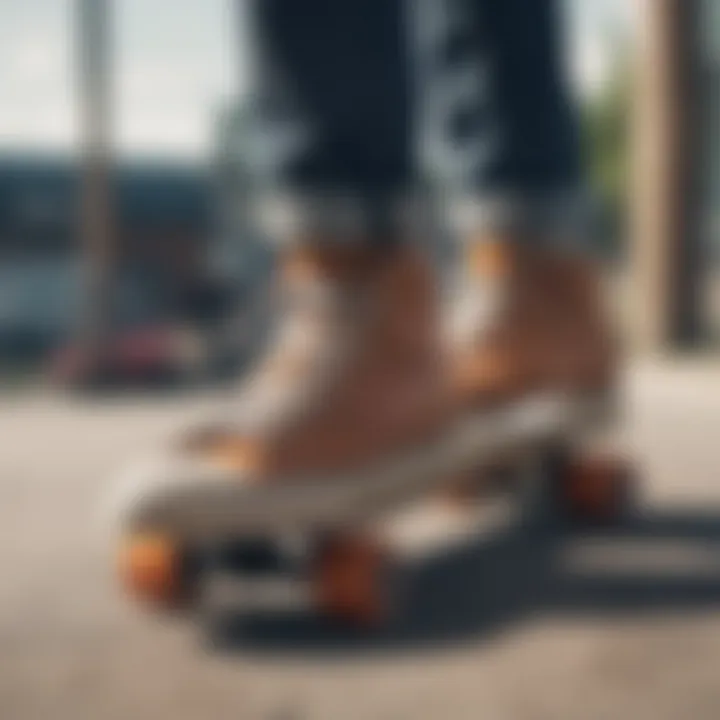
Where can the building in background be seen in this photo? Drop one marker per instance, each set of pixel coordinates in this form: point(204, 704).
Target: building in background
point(163, 220)
point(239, 251)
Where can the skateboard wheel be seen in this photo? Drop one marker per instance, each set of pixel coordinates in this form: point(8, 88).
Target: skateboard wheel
point(155, 569)
point(350, 583)
point(595, 489)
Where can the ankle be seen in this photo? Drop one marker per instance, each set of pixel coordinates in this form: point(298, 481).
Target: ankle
point(324, 260)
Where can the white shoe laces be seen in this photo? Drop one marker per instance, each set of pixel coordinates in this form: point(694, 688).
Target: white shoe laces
point(309, 344)
point(475, 308)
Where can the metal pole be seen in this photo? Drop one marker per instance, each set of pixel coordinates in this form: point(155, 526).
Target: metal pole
point(665, 238)
point(96, 225)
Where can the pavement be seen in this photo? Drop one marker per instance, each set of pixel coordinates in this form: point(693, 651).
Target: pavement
point(509, 625)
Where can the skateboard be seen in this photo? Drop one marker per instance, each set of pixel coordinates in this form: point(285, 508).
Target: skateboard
point(328, 539)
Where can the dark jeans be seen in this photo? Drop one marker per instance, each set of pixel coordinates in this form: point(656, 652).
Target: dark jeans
point(357, 103)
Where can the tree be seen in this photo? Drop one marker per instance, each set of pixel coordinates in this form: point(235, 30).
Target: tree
point(606, 131)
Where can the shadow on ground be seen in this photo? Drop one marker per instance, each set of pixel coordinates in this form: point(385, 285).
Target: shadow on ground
point(501, 581)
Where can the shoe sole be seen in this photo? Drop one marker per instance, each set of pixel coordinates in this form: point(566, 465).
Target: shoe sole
point(203, 504)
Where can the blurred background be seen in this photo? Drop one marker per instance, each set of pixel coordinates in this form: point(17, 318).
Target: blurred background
point(128, 260)
point(122, 211)
point(123, 192)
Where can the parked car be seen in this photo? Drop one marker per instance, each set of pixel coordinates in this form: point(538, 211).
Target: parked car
point(38, 301)
point(149, 341)
point(147, 354)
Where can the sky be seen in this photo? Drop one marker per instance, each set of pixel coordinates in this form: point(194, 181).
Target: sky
point(178, 61)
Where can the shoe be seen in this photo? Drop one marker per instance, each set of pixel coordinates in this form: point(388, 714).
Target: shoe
point(527, 318)
point(353, 373)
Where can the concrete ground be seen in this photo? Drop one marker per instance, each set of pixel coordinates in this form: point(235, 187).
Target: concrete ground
point(510, 626)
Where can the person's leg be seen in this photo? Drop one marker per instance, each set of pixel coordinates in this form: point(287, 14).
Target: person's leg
point(329, 136)
point(500, 134)
point(352, 372)
point(502, 141)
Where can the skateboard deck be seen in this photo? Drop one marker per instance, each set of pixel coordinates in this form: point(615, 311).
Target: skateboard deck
point(207, 504)
point(182, 524)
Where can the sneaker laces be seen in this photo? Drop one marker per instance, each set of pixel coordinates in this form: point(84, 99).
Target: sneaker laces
point(476, 307)
point(306, 349)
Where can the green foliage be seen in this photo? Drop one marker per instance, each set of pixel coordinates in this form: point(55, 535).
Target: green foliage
point(606, 131)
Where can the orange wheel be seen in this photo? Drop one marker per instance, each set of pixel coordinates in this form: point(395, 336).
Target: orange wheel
point(596, 489)
point(350, 581)
point(154, 569)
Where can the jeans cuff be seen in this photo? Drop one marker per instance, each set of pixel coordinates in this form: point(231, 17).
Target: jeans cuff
point(294, 217)
point(561, 217)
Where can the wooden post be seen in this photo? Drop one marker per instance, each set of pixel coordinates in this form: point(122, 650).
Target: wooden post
point(665, 194)
point(96, 222)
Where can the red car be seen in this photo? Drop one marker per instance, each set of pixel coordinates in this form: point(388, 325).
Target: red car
point(140, 355)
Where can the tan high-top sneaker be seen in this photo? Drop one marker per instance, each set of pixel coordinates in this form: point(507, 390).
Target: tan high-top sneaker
point(341, 415)
point(528, 318)
point(353, 374)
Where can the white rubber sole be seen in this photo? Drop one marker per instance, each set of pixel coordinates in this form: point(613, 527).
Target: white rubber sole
point(204, 504)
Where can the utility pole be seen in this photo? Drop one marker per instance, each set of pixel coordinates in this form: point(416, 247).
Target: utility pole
point(665, 248)
point(96, 221)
